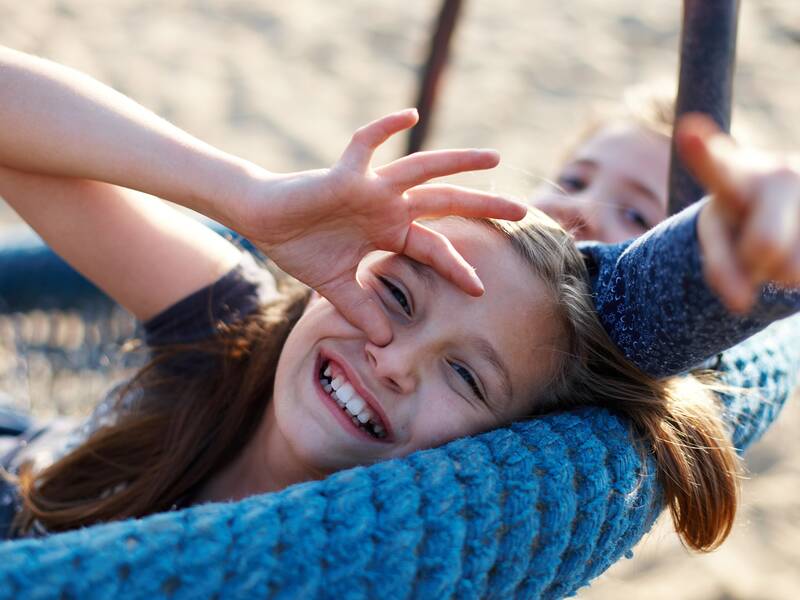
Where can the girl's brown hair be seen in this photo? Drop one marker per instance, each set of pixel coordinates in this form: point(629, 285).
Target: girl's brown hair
point(187, 427)
point(676, 419)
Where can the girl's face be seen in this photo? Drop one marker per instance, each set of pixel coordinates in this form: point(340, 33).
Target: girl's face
point(456, 365)
point(614, 187)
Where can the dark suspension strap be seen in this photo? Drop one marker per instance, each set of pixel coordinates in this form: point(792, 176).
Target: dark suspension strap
point(708, 56)
point(429, 83)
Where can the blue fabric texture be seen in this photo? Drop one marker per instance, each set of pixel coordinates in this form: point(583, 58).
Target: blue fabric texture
point(535, 510)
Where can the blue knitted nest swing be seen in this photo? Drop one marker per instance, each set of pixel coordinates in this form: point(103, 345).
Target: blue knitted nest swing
point(534, 510)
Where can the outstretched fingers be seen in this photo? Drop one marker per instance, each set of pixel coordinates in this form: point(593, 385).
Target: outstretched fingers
point(439, 200)
point(757, 203)
point(432, 248)
point(713, 158)
point(420, 167)
point(366, 139)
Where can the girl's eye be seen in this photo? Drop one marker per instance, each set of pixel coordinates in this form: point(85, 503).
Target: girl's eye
point(467, 376)
point(571, 183)
point(634, 216)
point(398, 295)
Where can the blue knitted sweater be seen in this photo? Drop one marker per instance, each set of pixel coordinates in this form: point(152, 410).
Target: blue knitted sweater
point(537, 509)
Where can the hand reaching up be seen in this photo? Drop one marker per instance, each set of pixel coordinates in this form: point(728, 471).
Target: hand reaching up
point(750, 230)
point(318, 225)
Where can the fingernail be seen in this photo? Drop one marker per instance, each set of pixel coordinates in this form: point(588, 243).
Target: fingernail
point(478, 282)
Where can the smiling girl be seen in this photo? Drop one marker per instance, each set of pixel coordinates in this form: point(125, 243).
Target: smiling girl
point(418, 332)
point(456, 365)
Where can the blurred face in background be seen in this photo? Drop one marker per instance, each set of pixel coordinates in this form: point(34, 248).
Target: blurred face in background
point(613, 186)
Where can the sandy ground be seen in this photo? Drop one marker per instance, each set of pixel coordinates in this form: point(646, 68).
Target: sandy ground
point(284, 84)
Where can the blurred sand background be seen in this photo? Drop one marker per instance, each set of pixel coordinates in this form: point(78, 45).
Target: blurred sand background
point(285, 83)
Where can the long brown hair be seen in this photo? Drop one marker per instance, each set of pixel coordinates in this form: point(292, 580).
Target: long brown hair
point(187, 423)
point(186, 428)
point(677, 419)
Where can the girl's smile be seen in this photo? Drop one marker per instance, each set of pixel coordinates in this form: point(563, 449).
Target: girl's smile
point(350, 402)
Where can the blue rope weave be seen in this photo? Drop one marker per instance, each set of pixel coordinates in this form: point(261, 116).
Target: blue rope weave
point(535, 510)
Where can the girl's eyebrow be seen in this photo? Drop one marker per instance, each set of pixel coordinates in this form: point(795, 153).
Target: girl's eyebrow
point(423, 272)
point(490, 355)
point(483, 347)
point(638, 186)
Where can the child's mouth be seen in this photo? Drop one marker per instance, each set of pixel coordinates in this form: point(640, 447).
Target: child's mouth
point(335, 384)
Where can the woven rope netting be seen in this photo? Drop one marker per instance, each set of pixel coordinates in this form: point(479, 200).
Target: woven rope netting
point(55, 363)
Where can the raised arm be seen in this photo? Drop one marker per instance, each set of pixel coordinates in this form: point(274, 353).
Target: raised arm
point(653, 298)
point(712, 275)
point(64, 135)
point(316, 225)
point(140, 251)
point(57, 121)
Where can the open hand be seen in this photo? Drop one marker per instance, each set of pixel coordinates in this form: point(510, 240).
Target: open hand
point(318, 225)
point(750, 230)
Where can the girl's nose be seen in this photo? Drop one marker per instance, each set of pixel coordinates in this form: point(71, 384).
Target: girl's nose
point(394, 365)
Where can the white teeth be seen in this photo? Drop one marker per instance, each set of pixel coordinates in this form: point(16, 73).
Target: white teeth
point(346, 392)
point(355, 404)
point(345, 395)
point(338, 400)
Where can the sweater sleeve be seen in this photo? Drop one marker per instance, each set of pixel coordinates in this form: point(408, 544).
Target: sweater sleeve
point(199, 315)
point(653, 300)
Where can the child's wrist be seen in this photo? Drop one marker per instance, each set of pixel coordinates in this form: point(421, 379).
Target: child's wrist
point(224, 193)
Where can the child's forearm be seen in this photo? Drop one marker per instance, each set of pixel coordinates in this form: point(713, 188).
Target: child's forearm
point(143, 253)
point(653, 300)
point(57, 121)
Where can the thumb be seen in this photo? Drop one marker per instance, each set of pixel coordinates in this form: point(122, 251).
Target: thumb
point(360, 308)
